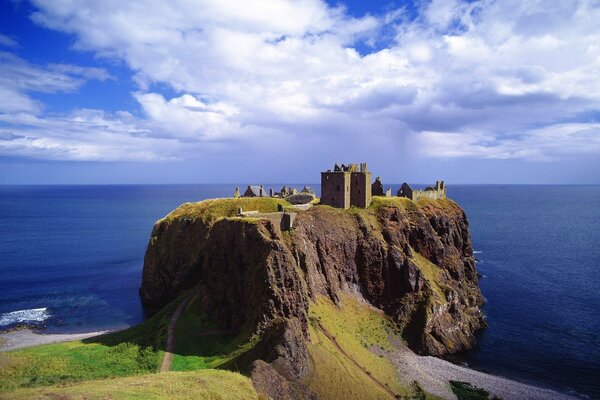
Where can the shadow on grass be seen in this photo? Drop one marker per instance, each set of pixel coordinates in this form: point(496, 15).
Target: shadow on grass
point(199, 343)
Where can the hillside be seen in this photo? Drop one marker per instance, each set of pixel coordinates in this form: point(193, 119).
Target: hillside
point(208, 384)
point(284, 306)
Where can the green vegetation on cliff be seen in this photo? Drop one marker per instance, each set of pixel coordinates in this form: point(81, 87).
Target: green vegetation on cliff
point(344, 342)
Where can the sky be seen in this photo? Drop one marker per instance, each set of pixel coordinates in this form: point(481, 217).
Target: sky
point(204, 91)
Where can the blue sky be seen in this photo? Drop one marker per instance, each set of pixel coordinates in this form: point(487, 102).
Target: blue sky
point(275, 91)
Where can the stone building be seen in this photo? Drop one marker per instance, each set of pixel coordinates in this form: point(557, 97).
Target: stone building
point(437, 192)
point(378, 190)
point(377, 187)
point(346, 186)
point(255, 191)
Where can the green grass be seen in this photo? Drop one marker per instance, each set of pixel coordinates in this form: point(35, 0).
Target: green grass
point(200, 344)
point(209, 384)
point(399, 202)
point(209, 211)
point(134, 351)
point(431, 272)
point(466, 391)
point(356, 327)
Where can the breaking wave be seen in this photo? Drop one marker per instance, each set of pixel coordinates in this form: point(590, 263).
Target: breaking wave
point(477, 252)
point(31, 315)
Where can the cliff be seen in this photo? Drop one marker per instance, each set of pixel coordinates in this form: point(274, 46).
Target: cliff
point(412, 260)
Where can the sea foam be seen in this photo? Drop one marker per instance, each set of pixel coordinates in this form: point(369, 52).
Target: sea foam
point(31, 315)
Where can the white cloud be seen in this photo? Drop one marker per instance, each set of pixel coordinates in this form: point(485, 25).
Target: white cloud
point(18, 78)
point(485, 79)
point(83, 135)
point(7, 41)
point(187, 117)
point(542, 144)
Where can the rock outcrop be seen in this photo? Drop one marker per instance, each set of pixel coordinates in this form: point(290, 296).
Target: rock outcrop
point(412, 260)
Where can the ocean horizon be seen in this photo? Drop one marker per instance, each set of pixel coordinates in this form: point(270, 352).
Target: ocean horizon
point(72, 256)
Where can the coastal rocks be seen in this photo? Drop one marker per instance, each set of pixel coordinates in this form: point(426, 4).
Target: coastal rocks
point(412, 260)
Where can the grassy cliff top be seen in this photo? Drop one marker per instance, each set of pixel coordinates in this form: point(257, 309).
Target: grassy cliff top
point(411, 205)
point(208, 211)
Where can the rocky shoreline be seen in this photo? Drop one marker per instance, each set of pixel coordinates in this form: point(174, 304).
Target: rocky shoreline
point(22, 338)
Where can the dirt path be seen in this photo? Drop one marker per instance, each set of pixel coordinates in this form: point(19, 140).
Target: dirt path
point(337, 345)
point(168, 358)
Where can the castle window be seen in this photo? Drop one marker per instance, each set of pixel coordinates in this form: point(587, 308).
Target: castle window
point(338, 188)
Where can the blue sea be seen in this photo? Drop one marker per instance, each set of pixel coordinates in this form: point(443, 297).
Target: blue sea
point(71, 260)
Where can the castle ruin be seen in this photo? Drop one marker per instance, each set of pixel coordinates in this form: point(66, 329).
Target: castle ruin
point(346, 186)
point(437, 192)
point(377, 189)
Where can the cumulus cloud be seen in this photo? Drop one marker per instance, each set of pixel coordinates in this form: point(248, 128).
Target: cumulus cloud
point(483, 79)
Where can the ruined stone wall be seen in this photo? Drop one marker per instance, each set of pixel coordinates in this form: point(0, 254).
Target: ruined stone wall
point(282, 220)
point(335, 189)
point(429, 194)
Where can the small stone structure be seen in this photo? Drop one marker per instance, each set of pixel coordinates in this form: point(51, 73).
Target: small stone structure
point(346, 186)
point(282, 219)
point(377, 189)
point(308, 190)
point(437, 192)
point(255, 191)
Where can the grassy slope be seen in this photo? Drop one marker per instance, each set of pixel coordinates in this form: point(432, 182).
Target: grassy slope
point(356, 327)
point(209, 384)
point(134, 351)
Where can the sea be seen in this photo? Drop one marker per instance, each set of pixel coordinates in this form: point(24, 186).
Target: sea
point(71, 260)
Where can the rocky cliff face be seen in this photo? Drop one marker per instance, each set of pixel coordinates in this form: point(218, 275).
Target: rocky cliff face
point(412, 260)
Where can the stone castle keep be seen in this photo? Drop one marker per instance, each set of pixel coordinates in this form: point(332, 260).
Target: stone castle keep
point(344, 187)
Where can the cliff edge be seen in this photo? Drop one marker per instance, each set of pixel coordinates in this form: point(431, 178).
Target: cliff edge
point(411, 260)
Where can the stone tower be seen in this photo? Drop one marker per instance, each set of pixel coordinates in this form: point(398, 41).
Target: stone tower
point(346, 186)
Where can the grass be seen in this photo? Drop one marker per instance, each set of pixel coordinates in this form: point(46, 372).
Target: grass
point(356, 328)
point(134, 351)
point(399, 202)
point(200, 344)
point(431, 272)
point(209, 384)
point(466, 391)
point(209, 211)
